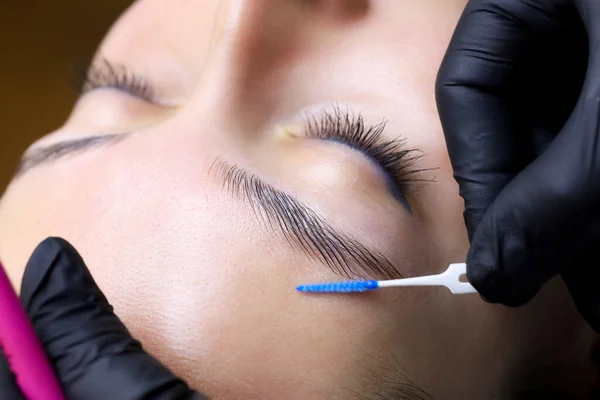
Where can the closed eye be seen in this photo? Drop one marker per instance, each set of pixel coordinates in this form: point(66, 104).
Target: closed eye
point(392, 157)
point(105, 74)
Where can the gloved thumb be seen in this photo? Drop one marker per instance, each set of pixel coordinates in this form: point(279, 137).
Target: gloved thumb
point(92, 351)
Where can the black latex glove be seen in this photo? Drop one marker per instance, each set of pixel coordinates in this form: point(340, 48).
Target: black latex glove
point(92, 352)
point(520, 109)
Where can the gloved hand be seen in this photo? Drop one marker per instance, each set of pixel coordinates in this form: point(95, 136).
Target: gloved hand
point(92, 352)
point(521, 116)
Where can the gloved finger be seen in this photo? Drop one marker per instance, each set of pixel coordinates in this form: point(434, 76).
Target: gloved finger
point(8, 386)
point(547, 215)
point(482, 82)
point(581, 277)
point(91, 349)
point(589, 10)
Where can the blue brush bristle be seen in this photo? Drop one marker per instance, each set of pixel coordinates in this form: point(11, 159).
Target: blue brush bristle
point(338, 287)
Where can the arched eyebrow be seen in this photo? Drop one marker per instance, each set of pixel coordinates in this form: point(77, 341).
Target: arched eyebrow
point(41, 155)
point(299, 224)
point(302, 227)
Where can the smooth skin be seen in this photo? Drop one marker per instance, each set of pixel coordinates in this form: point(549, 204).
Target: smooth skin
point(209, 290)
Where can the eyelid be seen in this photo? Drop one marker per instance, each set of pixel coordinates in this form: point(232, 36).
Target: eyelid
point(390, 156)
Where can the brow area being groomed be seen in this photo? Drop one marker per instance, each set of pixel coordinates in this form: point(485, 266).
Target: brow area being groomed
point(302, 227)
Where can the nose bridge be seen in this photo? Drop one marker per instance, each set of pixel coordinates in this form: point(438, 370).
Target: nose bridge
point(252, 42)
point(252, 46)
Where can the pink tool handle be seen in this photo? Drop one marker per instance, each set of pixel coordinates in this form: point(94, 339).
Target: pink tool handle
point(27, 358)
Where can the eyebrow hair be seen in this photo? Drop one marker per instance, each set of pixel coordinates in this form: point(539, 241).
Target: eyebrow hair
point(298, 223)
point(302, 227)
point(45, 154)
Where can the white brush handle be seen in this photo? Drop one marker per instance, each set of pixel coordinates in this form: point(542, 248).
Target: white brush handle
point(449, 278)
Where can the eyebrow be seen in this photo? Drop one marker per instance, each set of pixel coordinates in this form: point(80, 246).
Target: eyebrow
point(302, 227)
point(41, 155)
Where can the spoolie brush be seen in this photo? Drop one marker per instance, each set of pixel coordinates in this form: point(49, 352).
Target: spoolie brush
point(449, 278)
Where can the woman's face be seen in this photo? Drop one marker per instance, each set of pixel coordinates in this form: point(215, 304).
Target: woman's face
point(228, 151)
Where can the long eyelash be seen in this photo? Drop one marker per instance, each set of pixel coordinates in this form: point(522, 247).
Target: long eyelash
point(343, 126)
point(105, 74)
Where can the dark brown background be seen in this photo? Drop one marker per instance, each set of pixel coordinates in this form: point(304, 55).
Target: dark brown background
point(40, 43)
